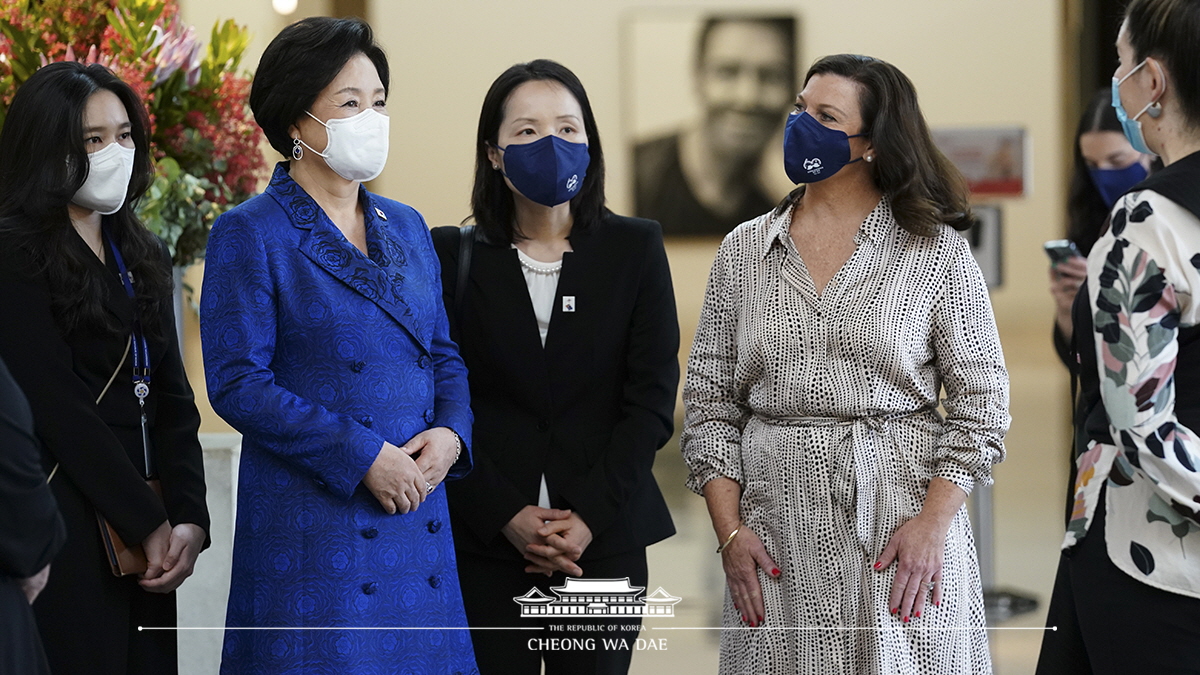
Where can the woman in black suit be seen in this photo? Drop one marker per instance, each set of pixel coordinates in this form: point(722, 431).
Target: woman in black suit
point(94, 350)
point(566, 320)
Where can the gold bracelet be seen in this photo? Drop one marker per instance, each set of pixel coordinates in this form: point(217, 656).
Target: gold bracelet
point(729, 539)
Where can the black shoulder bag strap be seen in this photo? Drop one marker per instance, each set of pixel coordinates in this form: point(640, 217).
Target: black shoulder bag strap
point(466, 245)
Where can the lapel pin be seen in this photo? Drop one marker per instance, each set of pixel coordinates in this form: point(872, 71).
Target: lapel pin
point(379, 212)
point(568, 303)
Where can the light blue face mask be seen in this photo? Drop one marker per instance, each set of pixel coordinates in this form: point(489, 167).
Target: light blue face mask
point(1131, 126)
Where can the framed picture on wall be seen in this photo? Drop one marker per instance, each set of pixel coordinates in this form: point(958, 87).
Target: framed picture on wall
point(706, 97)
point(987, 242)
point(993, 160)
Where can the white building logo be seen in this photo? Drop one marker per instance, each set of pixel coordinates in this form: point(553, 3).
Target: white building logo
point(587, 598)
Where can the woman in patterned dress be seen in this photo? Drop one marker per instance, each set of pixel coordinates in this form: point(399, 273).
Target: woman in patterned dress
point(1127, 595)
point(829, 327)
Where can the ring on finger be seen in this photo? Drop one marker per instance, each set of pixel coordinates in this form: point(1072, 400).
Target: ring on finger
point(929, 585)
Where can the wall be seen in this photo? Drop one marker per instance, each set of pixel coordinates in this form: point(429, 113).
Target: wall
point(982, 62)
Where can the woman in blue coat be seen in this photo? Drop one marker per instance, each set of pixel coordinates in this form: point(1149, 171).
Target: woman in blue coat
point(326, 344)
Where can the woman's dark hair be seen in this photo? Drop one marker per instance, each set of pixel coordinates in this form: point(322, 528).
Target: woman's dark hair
point(492, 205)
point(1086, 210)
point(43, 162)
point(925, 189)
point(299, 63)
point(1169, 31)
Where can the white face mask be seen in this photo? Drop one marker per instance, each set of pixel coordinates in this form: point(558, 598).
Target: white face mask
point(107, 181)
point(357, 147)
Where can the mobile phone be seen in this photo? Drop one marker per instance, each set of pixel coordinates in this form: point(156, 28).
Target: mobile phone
point(1060, 250)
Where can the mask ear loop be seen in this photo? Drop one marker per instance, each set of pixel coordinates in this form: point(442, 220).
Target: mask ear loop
point(1155, 109)
point(296, 147)
point(865, 157)
point(496, 165)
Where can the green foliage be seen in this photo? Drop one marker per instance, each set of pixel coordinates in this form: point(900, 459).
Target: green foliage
point(177, 209)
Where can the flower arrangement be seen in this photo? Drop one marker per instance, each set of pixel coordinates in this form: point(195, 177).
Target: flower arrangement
point(203, 139)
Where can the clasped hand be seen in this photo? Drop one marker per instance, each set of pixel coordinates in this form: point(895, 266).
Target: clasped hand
point(171, 554)
point(550, 539)
point(401, 476)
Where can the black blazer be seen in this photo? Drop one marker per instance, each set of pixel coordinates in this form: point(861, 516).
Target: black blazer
point(590, 409)
point(98, 451)
point(31, 530)
point(98, 447)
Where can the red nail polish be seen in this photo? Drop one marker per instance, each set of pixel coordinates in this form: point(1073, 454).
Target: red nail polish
point(937, 604)
point(917, 615)
point(877, 565)
point(775, 572)
point(895, 609)
point(760, 620)
point(906, 619)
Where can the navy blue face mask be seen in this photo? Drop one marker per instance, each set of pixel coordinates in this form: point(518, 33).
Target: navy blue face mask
point(1112, 183)
point(813, 151)
point(548, 171)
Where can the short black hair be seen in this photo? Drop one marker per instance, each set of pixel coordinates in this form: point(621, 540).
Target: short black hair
point(299, 63)
point(785, 25)
point(1168, 30)
point(492, 205)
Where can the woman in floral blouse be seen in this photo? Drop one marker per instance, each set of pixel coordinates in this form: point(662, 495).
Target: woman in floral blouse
point(1127, 597)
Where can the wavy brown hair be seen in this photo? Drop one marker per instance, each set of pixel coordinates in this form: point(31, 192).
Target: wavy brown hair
point(925, 189)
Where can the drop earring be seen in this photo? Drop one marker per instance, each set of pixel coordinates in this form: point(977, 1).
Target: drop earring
point(297, 151)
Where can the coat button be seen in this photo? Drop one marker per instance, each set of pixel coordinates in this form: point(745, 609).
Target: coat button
point(369, 588)
point(429, 416)
point(424, 362)
point(435, 581)
point(433, 526)
point(358, 366)
point(367, 421)
point(370, 533)
point(543, 425)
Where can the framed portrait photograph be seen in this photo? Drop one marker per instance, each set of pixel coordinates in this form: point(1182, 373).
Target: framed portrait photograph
point(706, 98)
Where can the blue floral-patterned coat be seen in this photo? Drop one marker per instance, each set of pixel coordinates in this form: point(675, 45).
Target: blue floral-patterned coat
point(318, 354)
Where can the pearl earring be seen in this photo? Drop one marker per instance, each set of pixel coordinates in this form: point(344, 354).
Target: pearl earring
point(496, 167)
point(869, 158)
point(1155, 111)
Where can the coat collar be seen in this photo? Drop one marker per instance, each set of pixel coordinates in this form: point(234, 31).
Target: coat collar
point(379, 277)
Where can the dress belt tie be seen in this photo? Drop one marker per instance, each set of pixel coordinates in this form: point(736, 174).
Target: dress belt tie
point(861, 435)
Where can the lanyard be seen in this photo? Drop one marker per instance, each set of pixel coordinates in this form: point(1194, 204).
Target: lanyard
point(140, 350)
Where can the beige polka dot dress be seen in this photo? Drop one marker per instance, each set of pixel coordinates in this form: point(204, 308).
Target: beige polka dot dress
point(824, 409)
